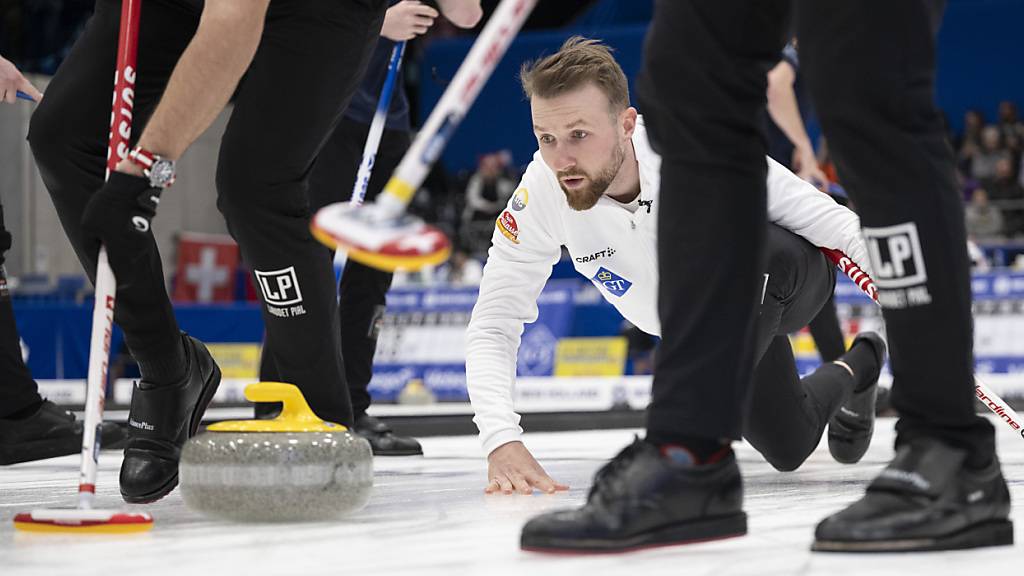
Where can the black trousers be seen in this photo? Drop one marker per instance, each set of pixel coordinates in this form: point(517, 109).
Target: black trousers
point(309, 62)
point(362, 291)
point(787, 415)
point(827, 333)
point(17, 388)
point(870, 66)
point(702, 88)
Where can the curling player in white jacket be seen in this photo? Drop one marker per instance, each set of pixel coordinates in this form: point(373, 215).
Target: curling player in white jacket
point(593, 187)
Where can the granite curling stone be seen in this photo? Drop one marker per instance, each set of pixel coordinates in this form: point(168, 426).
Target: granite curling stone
point(292, 468)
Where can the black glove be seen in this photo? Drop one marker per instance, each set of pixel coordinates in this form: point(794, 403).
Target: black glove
point(119, 215)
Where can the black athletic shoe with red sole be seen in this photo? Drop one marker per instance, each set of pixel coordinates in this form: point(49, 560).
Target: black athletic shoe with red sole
point(161, 420)
point(926, 499)
point(641, 500)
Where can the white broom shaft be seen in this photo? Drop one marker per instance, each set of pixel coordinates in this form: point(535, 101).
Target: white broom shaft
point(376, 132)
point(985, 394)
point(99, 361)
point(106, 285)
point(998, 406)
point(483, 57)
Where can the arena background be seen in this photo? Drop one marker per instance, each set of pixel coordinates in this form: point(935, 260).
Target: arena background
point(578, 356)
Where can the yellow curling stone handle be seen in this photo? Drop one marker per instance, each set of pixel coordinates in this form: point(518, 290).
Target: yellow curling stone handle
point(296, 416)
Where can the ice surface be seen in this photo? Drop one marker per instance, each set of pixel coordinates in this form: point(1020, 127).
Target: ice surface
point(428, 515)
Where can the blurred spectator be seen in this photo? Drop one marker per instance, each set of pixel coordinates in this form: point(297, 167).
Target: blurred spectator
point(464, 270)
point(984, 221)
point(1011, 127)
point(1008, 194)
point(968, 143)
point(487, 192)
point(1003, 186)
point(974, 121)
point(983, 164)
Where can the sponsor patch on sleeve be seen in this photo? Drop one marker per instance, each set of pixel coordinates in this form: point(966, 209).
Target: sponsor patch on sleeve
point(615, 285)
point(506, 224)
point(520, 199)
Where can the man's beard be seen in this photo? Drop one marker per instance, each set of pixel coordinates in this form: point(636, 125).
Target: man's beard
point(585, 197)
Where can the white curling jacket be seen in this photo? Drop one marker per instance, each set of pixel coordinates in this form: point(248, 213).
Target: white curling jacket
point(614, 248)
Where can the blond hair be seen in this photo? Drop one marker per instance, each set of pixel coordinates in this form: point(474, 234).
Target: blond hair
point(579, 61)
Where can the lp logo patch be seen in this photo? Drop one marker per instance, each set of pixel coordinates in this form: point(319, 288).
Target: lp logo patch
point(896, 254)
point(612, 282)
point(279, 287)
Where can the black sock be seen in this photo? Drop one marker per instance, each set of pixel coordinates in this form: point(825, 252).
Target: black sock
point(164, 367)
point(863, 360)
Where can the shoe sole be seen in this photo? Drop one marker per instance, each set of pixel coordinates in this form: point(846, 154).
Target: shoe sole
point(992, 533)
point(205, 396)
point(398, 453)
point(849, 448)
point(708, 530)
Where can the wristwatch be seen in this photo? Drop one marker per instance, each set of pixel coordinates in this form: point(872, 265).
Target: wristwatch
point(158, 169)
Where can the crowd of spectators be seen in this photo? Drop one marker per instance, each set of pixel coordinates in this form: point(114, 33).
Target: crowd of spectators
point(989, 166)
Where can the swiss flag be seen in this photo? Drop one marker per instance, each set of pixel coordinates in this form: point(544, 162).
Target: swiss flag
point(206, 268)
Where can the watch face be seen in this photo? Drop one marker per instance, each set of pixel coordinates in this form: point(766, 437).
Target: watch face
point(161, 174)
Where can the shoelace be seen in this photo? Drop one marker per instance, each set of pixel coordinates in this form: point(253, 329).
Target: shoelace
point(607, 479)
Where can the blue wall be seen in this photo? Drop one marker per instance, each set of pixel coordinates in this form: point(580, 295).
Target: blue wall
point(981, 55)
point(980, 61)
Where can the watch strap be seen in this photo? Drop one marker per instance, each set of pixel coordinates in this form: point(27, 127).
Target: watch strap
point(145, 159)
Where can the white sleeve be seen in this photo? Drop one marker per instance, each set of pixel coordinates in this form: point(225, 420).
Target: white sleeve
point(801, 208)
point(525, 244)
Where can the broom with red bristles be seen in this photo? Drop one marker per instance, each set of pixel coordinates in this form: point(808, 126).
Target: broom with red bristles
point(85, 518)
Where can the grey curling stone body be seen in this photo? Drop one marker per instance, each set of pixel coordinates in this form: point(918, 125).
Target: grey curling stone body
point(282, 476)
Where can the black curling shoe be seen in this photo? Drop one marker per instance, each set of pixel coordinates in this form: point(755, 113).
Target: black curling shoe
point(851, 429)
point(639, 500)
point(49, 432)
point(162, 419)
point(383, 440)
point(926, 499)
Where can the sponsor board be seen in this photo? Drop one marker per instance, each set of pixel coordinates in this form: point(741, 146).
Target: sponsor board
point(591, 356)
point(237, 360)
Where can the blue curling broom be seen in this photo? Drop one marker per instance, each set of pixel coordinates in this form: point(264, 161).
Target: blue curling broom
point(377, 126)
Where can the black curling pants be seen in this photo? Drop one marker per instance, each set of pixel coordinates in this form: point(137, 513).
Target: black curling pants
point(309, 61)
point(787, 415)
point(17, 388)
point(870, 67)
point(702, 89)
point(362, 291)
point(827, 333)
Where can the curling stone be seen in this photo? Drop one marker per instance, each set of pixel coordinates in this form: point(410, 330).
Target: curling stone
point(292, 468)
